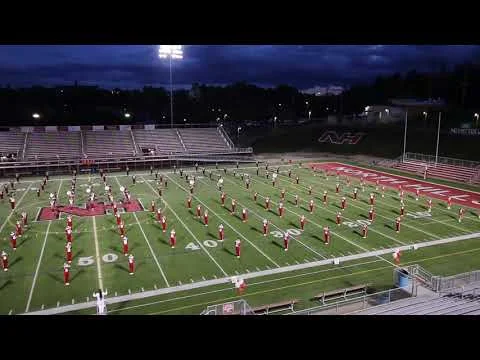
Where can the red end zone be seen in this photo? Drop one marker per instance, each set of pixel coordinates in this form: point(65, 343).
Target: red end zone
point(437, 191)
point(98, 209)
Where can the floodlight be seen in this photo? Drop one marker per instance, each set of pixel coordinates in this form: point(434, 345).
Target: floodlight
point(36, 116)
point(170, 51)
point(476, 115)
point(127, 115)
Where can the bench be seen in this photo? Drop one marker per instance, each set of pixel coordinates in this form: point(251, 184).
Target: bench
point(272, 308)
point(341, 293)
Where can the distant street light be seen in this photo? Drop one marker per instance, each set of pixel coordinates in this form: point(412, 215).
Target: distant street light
point(127, 115)
point(170, 52)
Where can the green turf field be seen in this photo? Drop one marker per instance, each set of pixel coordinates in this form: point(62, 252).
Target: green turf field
point(35, 279)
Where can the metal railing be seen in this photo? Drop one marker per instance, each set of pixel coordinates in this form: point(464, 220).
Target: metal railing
point(239, 307)
point(356, 303)
point(226, 137)
point(430, 159)
point(460, 291)
point(447, 283)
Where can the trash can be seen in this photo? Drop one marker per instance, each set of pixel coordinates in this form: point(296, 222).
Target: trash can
point(403, 279)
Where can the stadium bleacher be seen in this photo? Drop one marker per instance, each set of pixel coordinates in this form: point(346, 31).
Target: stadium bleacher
point(11, 142)
point(53, 144)
point(203, 139)
point(164, 141)
point(444, 171)
point(464, 302)
point(49, 145)
point(108, 143)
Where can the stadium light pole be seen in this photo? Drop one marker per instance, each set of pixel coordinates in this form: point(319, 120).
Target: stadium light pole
point(405, 135)
point(476, 118)
point(438, 137)
point(171, 52)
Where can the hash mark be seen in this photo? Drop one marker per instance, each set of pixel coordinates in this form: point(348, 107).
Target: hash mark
point(247, 270)
point(297, 261)
point(43, 306)
point(155, 286)
point(191, 280)
point(129, 291)
point(115, 293)
point(203, 278)
point(179, 282)
point(287, 264)
point(258, 269)
point(73, 301)
point(374, 249)
point(10, 312)
point(215, 276)
point(143, 289)
point(58, 303)
point(305, 260)
point(268, 267)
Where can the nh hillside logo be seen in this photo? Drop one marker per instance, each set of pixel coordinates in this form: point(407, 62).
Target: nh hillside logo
point(332, 137)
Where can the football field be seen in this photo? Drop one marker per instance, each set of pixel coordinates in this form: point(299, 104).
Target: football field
point(194, 274)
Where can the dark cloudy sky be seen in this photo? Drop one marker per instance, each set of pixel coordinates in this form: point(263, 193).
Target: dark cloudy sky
point(265, 65)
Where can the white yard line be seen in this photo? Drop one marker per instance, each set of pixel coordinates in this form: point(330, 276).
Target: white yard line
point(16, 206)
point(351, 203)
point(148, 243)
point(189, 231)
point(97, 253)
point(261, 218)
point(34, 281)
point(386, 203)
point(328, 210)
point(37, 268)
point(151, 250)
point(38, 213)
point(336, 234)
point(225, 222)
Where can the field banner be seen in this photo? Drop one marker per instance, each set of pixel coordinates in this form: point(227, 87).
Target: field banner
point(51, 129)
point(98, 128)
point(26, 129)
point(149, 126)
point(125, 127)
point(348, 138)
point(74, 128)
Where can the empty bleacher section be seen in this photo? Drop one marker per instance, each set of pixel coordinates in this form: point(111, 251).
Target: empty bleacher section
point(108, 143)
point(203, 140)
point(164, 141)
point(11, 142)
point(443, 305)
point(444, 171)
point(50, 145)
